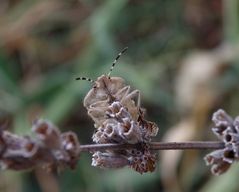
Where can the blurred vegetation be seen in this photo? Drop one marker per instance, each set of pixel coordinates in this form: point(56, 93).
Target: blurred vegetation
point(182, 56)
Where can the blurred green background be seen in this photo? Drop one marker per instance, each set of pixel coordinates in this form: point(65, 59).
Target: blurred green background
point(182, 56)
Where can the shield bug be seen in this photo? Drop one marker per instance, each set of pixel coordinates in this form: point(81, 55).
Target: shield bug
point(105, 91)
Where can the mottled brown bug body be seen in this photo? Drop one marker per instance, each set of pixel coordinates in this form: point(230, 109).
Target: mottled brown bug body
point(107, 90)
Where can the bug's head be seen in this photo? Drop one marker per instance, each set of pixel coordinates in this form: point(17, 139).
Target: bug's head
point(104, 80)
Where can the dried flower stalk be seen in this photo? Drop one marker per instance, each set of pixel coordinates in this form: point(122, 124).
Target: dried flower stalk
point(52, 150)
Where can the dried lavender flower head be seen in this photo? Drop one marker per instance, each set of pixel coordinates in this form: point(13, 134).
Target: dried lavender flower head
point(50, 149)
point(47, 132)
point(64, 147)
point(119, 118)
point(226, 129)
point(109, 160)
point(19, 152)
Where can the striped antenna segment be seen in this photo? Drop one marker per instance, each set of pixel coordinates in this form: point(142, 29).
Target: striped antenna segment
point(85, 79)
point(116, 59)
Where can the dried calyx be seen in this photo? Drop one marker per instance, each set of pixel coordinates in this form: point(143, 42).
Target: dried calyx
point(50, 149)
point(227, 130)
point(119, 127)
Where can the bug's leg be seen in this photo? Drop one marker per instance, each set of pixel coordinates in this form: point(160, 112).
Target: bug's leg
point(99, 104)
point(97, 114)
point(134, 94)
point(122, 92)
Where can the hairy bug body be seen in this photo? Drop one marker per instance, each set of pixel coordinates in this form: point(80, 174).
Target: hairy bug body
point(107, 90)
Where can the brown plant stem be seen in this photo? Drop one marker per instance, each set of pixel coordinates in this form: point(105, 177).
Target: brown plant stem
point(200, 145)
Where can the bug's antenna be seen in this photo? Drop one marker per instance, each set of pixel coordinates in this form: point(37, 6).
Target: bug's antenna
point(116, 59)
point(85, 79)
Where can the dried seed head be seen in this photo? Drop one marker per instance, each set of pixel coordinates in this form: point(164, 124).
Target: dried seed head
point(236, 124)
point(131, 132)
point(50, 149)
point(47, 133)
point(15, 145)
point(227, 130)
point(109, 160)
point(120, 127)
point(27, 149)
point(142, 162)
point(68, 152)
point(99, 137)
point(215, 159)
point(70, 144)
point(221, 118)
point(117, 110)
point(222, 121)
point(18, 152)
point(111, 132)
